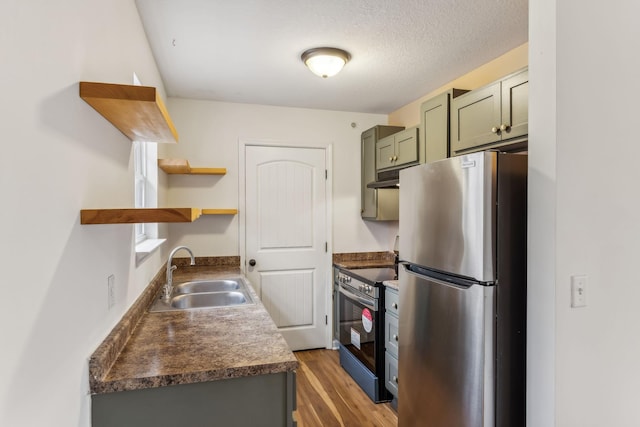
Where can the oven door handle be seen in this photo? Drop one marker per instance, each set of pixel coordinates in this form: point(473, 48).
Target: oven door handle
point(367, 303)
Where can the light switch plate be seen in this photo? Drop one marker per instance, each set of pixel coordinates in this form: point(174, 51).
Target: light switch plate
point(578, 291)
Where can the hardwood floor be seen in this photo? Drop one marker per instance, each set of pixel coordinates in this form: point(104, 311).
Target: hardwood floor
point(327, 396)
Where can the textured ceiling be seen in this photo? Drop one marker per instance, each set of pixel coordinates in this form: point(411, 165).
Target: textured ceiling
point(248, 51)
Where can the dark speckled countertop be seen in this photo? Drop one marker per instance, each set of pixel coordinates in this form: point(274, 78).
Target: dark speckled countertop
point(356, 260)
point(180, 347)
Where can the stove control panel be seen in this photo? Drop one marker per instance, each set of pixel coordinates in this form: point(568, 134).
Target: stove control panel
point(358, 285)
point(343, 278)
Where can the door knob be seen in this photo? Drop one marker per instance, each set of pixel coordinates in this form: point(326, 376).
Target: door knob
point(252, 262)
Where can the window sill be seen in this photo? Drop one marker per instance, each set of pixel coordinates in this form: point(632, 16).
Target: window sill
point(146, 248)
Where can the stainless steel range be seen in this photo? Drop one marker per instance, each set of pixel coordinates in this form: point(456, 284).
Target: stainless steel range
point(360, 332)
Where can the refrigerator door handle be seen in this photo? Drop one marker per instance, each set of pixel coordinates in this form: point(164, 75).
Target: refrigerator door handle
point(439, 278)
point(367, 303)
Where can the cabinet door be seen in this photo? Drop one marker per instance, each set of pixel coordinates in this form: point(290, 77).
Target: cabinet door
point(391, 334)
point(434, 116)
point(406, 147)
point(391, 374)
point(368, 170)
point(473, 117)
point(385, 152)
point(515, 105)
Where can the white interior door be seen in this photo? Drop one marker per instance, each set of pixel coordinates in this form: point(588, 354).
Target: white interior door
point(285, 233)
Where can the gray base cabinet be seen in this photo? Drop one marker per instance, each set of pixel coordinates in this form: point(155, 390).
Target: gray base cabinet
point(258, 401)
point(391, 340)
point(492, 116)
point(434, 126)
point(374, 204)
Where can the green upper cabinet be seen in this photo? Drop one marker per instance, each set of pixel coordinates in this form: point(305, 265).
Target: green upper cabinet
point(385, 152)
point(397, 150)
point(493, 115)
point(515, 106)
point(369, 196)
point(368, 171)
point(434, 126)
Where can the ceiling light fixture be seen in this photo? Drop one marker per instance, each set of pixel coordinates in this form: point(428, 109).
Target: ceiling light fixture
point(325, 61)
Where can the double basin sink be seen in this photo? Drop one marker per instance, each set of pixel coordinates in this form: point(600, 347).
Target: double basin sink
point(205, 294)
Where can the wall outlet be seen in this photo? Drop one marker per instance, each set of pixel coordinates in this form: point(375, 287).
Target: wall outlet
point(111, 291)
point(578, 291)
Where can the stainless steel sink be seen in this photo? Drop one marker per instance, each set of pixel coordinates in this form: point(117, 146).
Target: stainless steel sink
point(205, 294)
point(200, 286)
point(212, 299)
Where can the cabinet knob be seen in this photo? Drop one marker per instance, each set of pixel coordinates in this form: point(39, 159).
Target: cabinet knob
point(252, 262)
point(504, 127)
point(395, 337)
point(391, 159)
point(494, 129)
point(395, 379)
point(395, 158)
point(395, 305)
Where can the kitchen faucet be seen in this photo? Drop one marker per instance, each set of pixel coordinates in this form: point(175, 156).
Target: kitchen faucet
point(168, 286)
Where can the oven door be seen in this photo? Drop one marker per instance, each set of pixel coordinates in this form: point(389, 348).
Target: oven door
point(359, 321)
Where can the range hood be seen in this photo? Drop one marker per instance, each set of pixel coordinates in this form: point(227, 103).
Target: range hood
point(386, 179)
point(384, 184)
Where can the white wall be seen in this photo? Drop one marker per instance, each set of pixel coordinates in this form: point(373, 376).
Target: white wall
point(59, 156)
point(593, 201)
point(541, 334)
point(210, 133)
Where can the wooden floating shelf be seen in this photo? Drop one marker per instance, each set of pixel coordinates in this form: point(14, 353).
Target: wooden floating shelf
point(137, 111)
point(182, 167)
point(219, 211)
point(136, 216)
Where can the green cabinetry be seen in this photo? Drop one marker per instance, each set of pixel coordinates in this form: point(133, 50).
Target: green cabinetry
point(492, 116)
point(257, 401)
point(397, 150)
point(434, 126)
point(374, 202)
point(391, 340)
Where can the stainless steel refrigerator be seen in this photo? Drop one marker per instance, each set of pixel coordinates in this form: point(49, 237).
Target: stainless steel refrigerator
point(462, 283)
